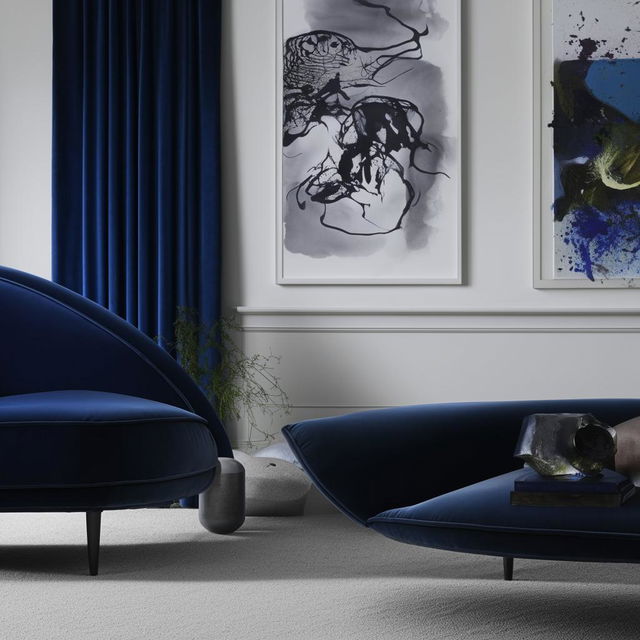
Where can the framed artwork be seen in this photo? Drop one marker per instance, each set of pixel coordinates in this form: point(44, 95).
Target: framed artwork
point(587, 142)
point(368, 142)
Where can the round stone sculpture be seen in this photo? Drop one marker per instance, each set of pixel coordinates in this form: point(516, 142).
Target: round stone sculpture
point(279, 450)
point(221, 507)
point(274, 487)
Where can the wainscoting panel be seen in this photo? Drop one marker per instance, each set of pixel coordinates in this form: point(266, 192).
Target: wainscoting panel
point(339, 361)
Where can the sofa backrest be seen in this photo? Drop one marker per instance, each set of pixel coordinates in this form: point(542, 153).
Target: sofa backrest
point(371, 461)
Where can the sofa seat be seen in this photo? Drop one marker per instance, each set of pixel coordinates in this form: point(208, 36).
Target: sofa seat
point(82, 449)
point(480, 519)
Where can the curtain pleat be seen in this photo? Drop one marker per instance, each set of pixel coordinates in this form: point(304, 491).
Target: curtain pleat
point(136, 190)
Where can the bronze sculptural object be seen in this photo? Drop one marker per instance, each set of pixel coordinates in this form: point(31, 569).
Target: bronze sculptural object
point(555, 444)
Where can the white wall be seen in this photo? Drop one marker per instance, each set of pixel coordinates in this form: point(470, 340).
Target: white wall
point(25, 135)
point(396, 350)
point(496, 337)
point(497, 140)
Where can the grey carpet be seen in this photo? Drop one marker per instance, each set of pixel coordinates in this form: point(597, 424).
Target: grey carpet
point(164, 576)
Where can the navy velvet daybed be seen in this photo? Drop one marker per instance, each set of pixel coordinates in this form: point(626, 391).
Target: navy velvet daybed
point(440, 476)
point(93, 414)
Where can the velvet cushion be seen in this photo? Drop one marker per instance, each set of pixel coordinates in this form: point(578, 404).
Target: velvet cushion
point(480, 519)
point(129, 451)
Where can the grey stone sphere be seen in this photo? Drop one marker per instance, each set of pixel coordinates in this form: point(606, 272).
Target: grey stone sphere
point(274, 487)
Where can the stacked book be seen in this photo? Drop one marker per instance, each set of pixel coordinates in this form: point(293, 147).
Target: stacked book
point(608, 489)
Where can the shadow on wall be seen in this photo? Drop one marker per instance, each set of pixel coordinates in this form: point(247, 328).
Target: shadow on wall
point(320, 380)
point(230, 165)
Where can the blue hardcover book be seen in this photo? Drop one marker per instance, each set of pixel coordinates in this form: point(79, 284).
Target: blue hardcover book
point(608, 482)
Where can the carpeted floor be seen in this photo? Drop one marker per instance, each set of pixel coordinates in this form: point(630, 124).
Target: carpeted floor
point(164, 577)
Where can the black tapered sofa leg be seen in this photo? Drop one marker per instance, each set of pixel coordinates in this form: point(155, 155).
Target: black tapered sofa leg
point(93, 540)
point(507, 566)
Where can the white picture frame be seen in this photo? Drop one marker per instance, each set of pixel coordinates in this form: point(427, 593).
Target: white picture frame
point(422, 267)
point(547, 247)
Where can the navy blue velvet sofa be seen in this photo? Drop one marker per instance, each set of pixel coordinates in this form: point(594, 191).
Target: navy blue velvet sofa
point(93, 414)
point(440, 476)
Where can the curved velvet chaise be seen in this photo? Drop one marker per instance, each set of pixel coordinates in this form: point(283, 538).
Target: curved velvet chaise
point(440, 476)
point(93, 414)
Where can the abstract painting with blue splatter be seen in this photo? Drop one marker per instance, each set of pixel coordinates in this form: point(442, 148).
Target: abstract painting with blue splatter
point(596, 139)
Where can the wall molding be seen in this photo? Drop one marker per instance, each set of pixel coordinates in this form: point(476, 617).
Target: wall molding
point(372, 311)
point(511, 320)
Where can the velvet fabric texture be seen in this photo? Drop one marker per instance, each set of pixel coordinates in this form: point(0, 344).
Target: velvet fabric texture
point(133, 451)
point(93, 414)
point(480, 519)
point(412, 474)
point(136, 213)
point(53, 339)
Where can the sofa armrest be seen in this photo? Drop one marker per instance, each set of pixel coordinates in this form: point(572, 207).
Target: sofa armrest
point(371, 461)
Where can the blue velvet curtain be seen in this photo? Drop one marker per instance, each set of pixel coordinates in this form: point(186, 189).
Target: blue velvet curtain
point(136, 187)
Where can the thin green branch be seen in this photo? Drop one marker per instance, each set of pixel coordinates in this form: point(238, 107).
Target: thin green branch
point(238, 382)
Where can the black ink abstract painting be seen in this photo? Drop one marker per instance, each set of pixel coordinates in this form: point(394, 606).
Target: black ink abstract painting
point(369, 143)
point(590, 143)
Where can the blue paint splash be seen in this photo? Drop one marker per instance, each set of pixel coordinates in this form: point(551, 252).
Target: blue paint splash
point(616, 83)
point(604, 244)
